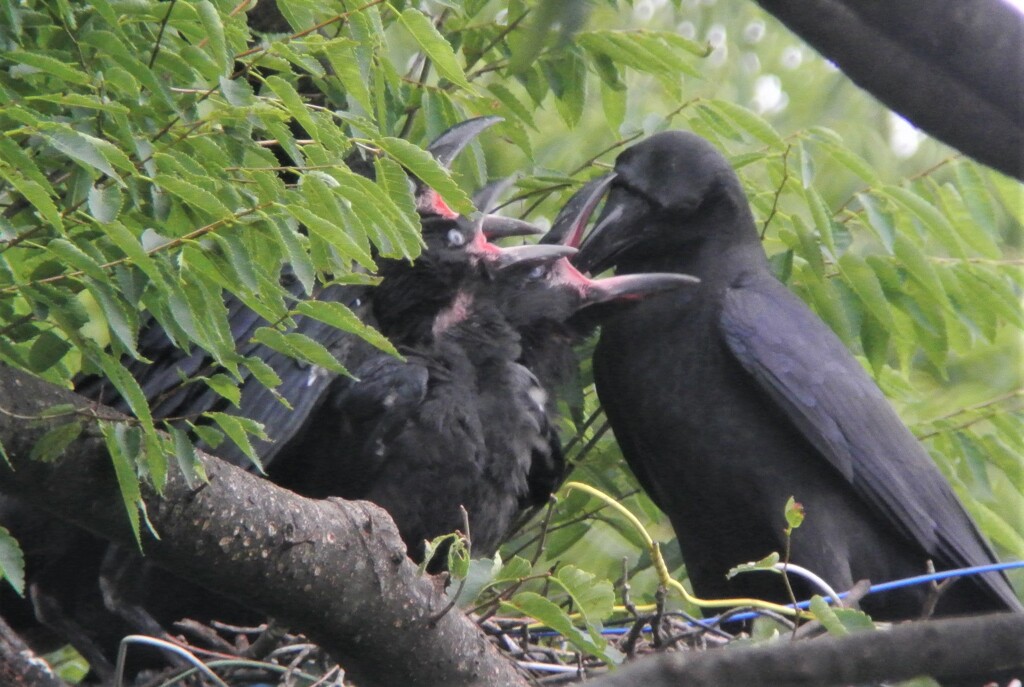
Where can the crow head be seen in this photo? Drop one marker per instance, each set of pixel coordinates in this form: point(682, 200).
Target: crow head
point(664, 196)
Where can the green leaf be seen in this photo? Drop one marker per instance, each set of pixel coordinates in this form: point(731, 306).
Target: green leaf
point(542, 610)
point(263, 373)
point(293, 102)
point(214, 34)
point(976, 196)
point(123, 444)
point(480, 575)
point(428, 170)
point(332, 234)
point(187, 458)
point(12, 561)
point(940, 227)
point(47, 350)
point(210, 436)
point(17, 160)
point(954, 208)
point(76, 258)
point(865, 284)
point(594, 598)
point(81, 148)
point(877, 219)
point(193, 195)
point(614, 104)
point(394, 229)
point(766, 563)
point(238, 430)
point(126, 386)
point(827, 617)
point(35, 194)
point(52, 444)
point(339, 315)
point(105, 203)
point(822, 218)
point(515, 569)
point(794, 513)
point(130, 245)
point(435, 46)
point(301, 347)
point(122, 320)
point(511, 102)
point(226, 387)
point(568, 78)
point(341, 53)
point(853, 162)
point(749, 122)
point(395, 183)
point(62, 70)
point(921, 270)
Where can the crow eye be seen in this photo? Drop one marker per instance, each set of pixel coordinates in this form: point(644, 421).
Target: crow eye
point(456, 238)
point(538, 272)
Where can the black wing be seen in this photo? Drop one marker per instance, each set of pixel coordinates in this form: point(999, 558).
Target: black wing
point(303, 386)
point(831, 399)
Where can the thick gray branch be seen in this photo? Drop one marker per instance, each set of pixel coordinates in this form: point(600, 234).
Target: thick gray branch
point(961, 650)
point(19, 665)
point(954, 69)
point(336, 570)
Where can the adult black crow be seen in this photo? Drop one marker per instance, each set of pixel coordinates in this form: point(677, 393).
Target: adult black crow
point(729, 398)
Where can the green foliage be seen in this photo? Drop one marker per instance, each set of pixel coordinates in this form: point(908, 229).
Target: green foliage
point(12, 562)
point(840, 621)
point(137, 179)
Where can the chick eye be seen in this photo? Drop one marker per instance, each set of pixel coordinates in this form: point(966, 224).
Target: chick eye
point(456, 237)
point(538, 272)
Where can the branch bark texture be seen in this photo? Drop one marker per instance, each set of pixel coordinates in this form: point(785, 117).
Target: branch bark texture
point(954, 69)
point(966, 651)
point(333, 569)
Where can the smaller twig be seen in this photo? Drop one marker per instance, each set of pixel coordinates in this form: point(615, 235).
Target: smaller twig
point(659, 616)
point(160, 34)
point(462, 583)
point(778, 191)
point(545, 524)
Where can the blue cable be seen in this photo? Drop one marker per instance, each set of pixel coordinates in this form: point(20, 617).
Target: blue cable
point(875, 588)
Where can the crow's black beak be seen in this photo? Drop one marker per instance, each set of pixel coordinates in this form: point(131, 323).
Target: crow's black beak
point(446, 147)
point(496, 227)
point(631, 287)
point(613, 231)
point(535, 254)
point(572, 219)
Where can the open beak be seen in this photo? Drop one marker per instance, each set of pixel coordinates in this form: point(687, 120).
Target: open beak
point(496, 227)
point(614, 230)
point(633, 287)
point(535, 254)
point(572, 219)
point(622, 288)
point(445, 148)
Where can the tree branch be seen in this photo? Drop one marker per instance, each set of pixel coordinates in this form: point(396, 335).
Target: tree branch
point(954, 69)
point(19, 666)
point(337, 570)
point(952, 649)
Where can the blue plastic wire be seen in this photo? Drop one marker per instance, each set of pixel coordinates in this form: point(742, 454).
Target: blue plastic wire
point(875, 588)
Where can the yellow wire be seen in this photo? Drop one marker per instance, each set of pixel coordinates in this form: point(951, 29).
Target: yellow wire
point(662, 569)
